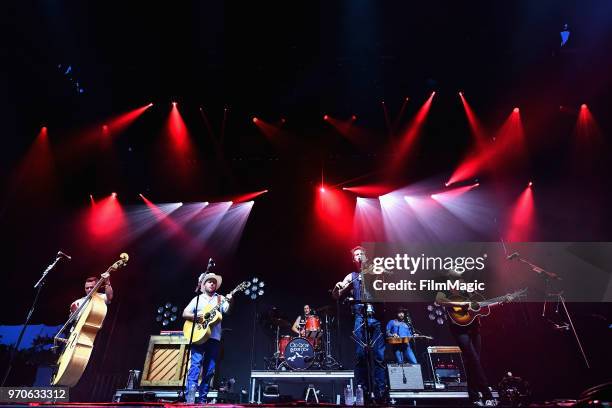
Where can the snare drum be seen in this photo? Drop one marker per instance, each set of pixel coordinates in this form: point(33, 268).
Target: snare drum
point(313, 327)
point(282, 344)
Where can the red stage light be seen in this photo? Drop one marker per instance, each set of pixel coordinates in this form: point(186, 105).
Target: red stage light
point(150, 104)
point(530, 184)
point(460, 93)
point(515, 110)
point(354, 117)
point(114, 195)
point(255, 119)
point(521, 225)
point(583, 106)
point(325, 117)
point(106, 220)
point(173, 103)
point(413, 129)
point(242, 198)
point(322, 189)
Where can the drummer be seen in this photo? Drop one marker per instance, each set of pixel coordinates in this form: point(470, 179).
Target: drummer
point(401, 327)
point(299, 326)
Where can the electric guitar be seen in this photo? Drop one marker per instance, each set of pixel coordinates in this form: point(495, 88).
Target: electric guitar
point(208, 318)
point(465, 315)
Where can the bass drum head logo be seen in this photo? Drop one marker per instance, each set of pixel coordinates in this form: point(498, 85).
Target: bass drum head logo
point(299, 354)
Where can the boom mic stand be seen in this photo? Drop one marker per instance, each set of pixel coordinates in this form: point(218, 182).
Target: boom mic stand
point(182, 395)
point(38, 286)
point(548, 276)
point(366, 344)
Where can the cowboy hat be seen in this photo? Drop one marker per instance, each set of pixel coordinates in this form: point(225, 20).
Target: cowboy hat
point(207, 276)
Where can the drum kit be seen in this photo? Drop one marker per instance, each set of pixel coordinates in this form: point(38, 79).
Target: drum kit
point(311, 350)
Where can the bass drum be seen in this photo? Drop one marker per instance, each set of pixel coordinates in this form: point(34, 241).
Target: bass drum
point(299, 354)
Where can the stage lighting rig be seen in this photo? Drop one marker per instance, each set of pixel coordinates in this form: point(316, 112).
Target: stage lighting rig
point(255, 289)
point(166, 314)
point(436, 313)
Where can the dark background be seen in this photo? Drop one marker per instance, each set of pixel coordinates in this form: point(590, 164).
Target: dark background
point(297, 61)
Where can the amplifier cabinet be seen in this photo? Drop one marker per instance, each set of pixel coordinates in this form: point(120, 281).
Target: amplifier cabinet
point(405, 377)
point(165, 361)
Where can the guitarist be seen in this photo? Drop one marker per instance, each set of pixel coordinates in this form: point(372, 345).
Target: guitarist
point(398, 328)
point(204, 356)
point(361, 311)
point(469, 341)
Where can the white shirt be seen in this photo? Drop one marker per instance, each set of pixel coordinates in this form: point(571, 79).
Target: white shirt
point(77, 303)
point(208, 300)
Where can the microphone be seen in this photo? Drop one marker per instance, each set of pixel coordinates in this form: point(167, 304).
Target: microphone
point(512, 256)
point(60, 254)
point(211, 263)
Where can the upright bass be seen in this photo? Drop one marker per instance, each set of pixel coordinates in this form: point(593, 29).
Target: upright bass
point(87, 319)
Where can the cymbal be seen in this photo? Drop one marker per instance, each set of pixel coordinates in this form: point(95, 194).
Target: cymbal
point(280, 322)
point(328, 309)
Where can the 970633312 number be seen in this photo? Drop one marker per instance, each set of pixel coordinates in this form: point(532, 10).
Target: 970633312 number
point(34, 394)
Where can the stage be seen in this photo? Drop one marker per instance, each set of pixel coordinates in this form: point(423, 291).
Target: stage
point(307, 203)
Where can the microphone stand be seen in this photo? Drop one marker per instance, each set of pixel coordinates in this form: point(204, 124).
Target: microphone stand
point(182, 395)
point(548, 276)
point(367, 346)
point(38, 286)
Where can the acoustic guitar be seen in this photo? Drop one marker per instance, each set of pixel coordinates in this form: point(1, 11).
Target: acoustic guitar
point(208, 318)
point(465, 315)
point(79, 345)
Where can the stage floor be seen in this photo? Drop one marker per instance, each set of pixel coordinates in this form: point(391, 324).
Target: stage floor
point(436, 404)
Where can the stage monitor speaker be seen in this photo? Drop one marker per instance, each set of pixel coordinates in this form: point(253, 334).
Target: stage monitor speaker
point(145, 396)
point(405, 377)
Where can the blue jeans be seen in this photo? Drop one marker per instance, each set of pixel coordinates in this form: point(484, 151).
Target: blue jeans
point(376, 338)
point(404, 354)
point(205, 356)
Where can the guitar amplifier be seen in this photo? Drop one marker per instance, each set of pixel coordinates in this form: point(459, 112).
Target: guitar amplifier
point(165, 361)
point(447, 365)
point(405, 377)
